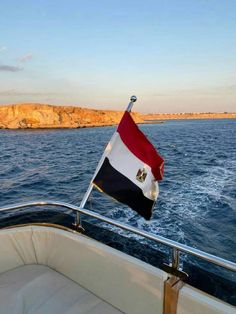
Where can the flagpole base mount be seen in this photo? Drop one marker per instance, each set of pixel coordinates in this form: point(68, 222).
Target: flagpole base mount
point(78, 227)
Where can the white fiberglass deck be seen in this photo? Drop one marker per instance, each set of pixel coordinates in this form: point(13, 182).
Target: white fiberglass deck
point(35, 289)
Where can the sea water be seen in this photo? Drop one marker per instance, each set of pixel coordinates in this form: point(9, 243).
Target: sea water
point(197, 200)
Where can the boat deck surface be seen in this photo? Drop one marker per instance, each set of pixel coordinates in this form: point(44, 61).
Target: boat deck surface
point(39, 289)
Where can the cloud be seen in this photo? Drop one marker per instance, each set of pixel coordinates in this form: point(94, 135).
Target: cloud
point(15, 68)
point(26, 58)
point(9, 68)
point(14, 92)
point(2, 48)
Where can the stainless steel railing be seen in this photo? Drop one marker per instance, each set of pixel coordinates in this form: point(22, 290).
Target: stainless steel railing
point(175, 246)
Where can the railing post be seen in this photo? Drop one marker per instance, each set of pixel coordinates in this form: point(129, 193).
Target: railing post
point(173, 268)
point(173, 284)
point(175, 258)
point(78, 222)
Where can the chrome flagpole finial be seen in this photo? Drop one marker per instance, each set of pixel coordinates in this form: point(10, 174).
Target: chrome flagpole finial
point(132, 101)
point(133, 98)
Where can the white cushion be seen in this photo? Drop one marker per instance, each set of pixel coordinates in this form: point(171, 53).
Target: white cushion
point(35, 289)
point(129, 284)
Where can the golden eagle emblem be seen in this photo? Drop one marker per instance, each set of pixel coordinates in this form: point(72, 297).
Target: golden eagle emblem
point(141, 175)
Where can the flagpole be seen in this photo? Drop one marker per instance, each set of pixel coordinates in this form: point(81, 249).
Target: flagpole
point(78, 223)
point(132, 101)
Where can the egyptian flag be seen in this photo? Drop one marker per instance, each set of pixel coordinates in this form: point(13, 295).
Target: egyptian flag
point(129, 168)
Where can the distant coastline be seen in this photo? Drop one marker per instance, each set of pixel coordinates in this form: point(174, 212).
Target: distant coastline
point(41, 116)
point(189, 116)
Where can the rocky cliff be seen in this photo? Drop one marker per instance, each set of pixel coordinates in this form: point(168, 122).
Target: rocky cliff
point(23, 116)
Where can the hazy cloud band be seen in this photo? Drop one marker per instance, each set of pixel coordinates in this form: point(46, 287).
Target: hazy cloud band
point(9, 68)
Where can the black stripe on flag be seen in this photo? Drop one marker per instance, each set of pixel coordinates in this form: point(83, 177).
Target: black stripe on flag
point(118, 186)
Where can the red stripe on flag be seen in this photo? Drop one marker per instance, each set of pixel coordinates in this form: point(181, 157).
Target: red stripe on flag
point(140, 146)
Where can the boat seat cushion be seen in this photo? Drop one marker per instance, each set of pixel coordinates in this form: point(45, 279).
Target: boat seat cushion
point(126, 283)
point(39, 289)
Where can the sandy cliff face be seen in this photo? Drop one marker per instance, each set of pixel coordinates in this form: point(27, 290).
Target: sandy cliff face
point(22, 116)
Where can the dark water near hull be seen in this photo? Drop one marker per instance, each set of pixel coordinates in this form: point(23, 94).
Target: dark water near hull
point(197, 202)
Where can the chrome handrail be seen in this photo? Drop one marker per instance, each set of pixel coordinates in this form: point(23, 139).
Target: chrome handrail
point(176, 247)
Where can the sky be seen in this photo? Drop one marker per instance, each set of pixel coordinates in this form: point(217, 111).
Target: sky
point(175, 56)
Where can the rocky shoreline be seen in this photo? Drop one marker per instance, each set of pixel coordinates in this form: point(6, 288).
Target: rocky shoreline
point(41, 116)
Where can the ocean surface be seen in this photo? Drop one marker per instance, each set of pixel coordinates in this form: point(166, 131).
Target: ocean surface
point(197, 201)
